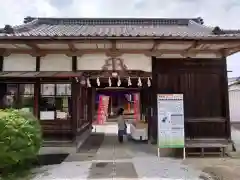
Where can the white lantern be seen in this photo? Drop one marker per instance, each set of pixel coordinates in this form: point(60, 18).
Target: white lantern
point(109, 82)
point(139, 82)
point(76, 79)
point(129, 81)
point(88, 83)
point(119, 82)
point(98, 81)
point(148, 82)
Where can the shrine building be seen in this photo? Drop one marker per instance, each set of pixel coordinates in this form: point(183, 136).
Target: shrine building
point(55, 67)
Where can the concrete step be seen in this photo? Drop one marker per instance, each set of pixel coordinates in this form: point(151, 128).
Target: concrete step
point(58, 143)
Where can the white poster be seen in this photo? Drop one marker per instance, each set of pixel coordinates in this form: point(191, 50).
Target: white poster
point(170, 121)
point(29, 89)
point(63, 89)
point(48, 89)
point(47, 115)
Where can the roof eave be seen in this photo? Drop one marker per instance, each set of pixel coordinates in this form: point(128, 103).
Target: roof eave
point(233, 37)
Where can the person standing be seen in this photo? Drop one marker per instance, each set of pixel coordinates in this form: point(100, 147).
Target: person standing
point(122, 127)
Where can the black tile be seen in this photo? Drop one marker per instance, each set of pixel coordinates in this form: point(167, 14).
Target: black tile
point(125, 170)
point(50, 159)
point(92, 143)
point(101, 170)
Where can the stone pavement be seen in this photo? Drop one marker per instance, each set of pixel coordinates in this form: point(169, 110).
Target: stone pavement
point(130, 160)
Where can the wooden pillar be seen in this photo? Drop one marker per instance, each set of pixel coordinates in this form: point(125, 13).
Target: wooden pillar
point(75, 96)
point(37, 90)
point(93, 104)
point(110, 105)
point(74, 114)
point(153, 111)
point(226, 98)
point(1, 63)
point(3, 86)
point(149, 109)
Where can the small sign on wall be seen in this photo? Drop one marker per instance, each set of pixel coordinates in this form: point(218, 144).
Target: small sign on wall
point(47, 115)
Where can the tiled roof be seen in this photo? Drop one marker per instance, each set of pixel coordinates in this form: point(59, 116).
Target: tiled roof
point(112, 27)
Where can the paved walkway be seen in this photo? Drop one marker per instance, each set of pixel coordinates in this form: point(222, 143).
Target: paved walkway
point(112, 160)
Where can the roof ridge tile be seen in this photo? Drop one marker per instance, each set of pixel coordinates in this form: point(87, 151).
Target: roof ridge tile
point(114, 21)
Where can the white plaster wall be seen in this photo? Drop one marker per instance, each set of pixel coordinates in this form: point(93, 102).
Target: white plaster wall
point(234, 104)
point(138, 62)
point(19, 62)
point(56, 62)
point(132, 61)
point(91, 61)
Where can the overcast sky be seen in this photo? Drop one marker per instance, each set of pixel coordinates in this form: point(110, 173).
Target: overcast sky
point(223, 13)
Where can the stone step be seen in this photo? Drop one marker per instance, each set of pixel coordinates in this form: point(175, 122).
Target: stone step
point(58, 143)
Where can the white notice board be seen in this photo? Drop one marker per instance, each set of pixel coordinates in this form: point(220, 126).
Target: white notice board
point(170, 121)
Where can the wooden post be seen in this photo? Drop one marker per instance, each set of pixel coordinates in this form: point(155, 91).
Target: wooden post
point(226, 98)
point(74, 95)
point(153, 125)
point(37, 90)
point(1, 63)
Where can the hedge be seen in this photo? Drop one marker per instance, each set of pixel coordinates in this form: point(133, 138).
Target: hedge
point(20, 137)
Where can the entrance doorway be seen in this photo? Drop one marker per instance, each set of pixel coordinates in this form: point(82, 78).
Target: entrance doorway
point(119, 98)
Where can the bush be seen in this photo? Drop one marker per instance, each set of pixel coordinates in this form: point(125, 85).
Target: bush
point(20, 137)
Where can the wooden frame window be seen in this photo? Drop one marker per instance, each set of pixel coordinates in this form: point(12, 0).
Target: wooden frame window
point(55, 101)
point(20, 96)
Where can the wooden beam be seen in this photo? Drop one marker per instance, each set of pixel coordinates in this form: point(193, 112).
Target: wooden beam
point(72, 50)
point(33, 46)
point(193, 46)
point(72, 47)
point(114, 45)
point(113, 52)
point(5, 52)
point(155, 45)
point(36, 51)
point(231, 51)
point(107, 51)
point(101, 41)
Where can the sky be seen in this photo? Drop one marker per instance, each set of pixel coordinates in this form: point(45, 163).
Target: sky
point(222, 13)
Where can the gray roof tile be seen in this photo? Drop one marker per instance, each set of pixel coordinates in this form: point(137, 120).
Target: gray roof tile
point(112, 27)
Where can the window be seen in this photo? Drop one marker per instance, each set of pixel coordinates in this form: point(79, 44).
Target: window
point(10, 99)
point(26, 97)
point(20, 96)
point(55, 101)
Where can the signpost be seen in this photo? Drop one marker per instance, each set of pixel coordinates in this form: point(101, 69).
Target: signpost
point(170, 122)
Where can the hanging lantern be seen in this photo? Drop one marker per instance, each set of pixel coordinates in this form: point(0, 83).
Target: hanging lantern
point(129, 81)
point(88, 83)
point(76, 79)
point(109, 82)
point(149, 82)
point(119, 82)
point(98, 81)
point(139, 82)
